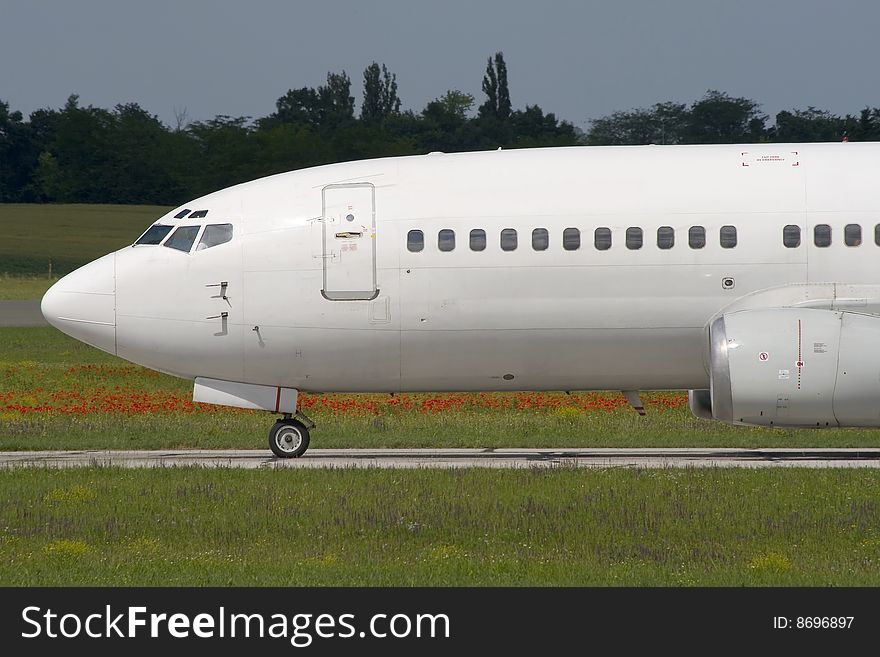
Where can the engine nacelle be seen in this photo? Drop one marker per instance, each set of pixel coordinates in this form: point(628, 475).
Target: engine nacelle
point(795, 367)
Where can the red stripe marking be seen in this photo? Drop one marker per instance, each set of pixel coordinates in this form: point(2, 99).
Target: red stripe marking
point(278, 399)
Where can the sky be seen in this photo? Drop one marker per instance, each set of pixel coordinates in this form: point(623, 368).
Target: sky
point(579, 59)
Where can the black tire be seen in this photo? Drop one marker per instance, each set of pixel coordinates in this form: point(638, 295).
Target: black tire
point(288, 439)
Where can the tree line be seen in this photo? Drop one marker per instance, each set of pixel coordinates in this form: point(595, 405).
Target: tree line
point(717, 118)
point(79, 154)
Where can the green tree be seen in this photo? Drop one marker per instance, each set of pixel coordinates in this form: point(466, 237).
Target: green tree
point(141, 159)
point(285, 147)
point(226, 153)
point(664, 123)
point(78, 167)
point(866, 127)
point(454, 105)
point(718, 118)
point(806, 125)
point(503, 91)
point(17, 157)
point(533, 128)
point(328, 106)
point(48, 181)
point(380, 94)
point(497, 104)
point(444, 125)
point(336, 101)
point(297, 107)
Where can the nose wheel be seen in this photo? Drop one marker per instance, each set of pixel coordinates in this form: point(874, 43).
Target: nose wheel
point(288, 438)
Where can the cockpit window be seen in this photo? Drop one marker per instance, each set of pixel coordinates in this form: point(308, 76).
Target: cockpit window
point(154, 235)
point(215, 234)
point(182, 239)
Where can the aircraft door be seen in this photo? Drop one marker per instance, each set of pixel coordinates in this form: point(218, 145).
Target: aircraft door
point(349, 242)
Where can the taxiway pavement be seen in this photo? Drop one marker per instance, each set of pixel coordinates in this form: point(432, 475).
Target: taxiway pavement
point(21, 314)
point(456, 458)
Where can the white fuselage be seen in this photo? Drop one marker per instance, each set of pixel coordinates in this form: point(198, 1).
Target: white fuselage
point(323, 294)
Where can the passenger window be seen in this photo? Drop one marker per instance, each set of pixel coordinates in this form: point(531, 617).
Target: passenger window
point(508, 239)
point(877, 234)
point(540, 239)
point(852, 234)
point(182, 239)
point(696, 237)
point(154, 235)
point(602, 239)
point(633, 238)
point(415, 241)
point(215, 234)
point(571, 239)
point(728, 237)
point(822, 235)
point(791, 236)
point(478, 239)
point(665, 237)
point(446, 239)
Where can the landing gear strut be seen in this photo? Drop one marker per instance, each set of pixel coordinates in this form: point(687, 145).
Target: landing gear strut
point(289, 436)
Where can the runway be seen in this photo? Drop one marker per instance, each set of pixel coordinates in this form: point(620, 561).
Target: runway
point(21, 314)
point(456, 458)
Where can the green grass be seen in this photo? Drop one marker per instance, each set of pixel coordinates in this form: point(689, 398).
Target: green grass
point(439, 527)
point(37, 363)
point(67, 235)
point(21, 288)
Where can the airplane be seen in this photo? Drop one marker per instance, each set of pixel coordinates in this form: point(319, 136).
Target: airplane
point(746, 274)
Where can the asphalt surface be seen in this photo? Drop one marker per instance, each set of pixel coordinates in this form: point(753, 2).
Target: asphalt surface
point(456, 458)
point(21, 313)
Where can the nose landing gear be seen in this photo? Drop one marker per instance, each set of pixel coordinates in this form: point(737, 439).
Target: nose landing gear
point(289, 436)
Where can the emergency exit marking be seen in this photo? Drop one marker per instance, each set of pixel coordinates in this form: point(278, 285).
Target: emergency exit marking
point(763, 356)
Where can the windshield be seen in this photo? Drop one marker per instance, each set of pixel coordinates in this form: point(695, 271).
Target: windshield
point(154, 234)
point(215, 234)
point(183, 238)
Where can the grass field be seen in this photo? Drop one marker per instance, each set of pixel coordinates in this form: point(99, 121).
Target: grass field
point(67, 235)
point(440, 527)
point(57, 393)
point(14, 288)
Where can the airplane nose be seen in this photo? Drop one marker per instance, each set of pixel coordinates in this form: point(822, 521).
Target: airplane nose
point(83, 304)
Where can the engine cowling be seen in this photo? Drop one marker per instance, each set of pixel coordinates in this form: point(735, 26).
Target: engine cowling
point(794, 367)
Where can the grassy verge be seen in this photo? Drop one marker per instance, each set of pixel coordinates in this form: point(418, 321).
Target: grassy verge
point(379, 527)
point(57, 393)
point(68, 236)
point(21, 288)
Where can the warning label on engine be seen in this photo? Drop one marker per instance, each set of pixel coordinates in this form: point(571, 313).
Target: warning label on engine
point(784, 374)
point(820, 348)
